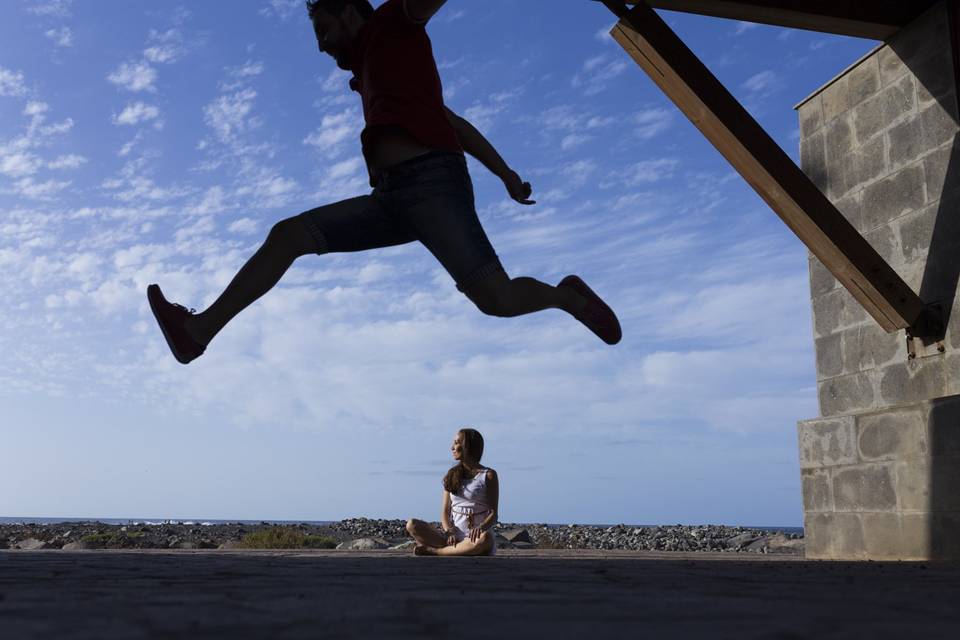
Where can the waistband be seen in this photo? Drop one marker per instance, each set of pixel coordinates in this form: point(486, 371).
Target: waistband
point(418, 163)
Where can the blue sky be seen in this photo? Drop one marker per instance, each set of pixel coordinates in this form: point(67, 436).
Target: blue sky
point(158, 142)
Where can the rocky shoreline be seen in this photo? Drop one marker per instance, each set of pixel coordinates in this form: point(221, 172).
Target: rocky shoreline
point(365, 533)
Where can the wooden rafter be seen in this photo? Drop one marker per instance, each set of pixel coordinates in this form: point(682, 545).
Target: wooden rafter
point(765, 166)
point(875, 19)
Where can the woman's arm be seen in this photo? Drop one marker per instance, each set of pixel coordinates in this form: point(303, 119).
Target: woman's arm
point(445, 523)
point(493, 494)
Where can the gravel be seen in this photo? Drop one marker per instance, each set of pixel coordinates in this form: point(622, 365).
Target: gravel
point(97, 535)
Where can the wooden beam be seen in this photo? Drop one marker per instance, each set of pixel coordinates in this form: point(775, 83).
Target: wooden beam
point(874, 19)
point(764, 165)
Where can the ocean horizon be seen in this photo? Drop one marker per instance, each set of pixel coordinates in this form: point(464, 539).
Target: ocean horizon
point(215, 521)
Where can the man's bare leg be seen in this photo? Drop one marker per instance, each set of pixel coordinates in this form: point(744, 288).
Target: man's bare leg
point(287, 241)
point(500, 295)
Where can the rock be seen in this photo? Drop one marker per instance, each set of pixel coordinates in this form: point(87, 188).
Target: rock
point(230, 544)
point(524, 545)
point(364, 544)
point(31, 544)
point(741, 541)
point(409, 544)
point(517, 535)
point(187, 545)
point(75, 546)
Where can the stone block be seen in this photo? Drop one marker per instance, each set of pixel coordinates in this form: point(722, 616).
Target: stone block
point(827, 313)
point(895, 434)
point(835, 99)
point(892, 197)
point(915, 231)
point(935, 79)
point(817, 494)
point(811, 116)
point(865, 164)
point(884, 241)
point(846, 394)
point(849, 206)
point(877, 113)
point(829, 356)
point(833, 536)
point(864, 81)
point(906, 142)
point(826, 442)
point(943, 425)
point(879, 348)
point(864, 488)
point(945, 536)
point(942, 165)
point(893, 536)
point(924, 38)
point(891, 66)
point(914, 381)
point(945, 483)
point(913, 485)
point(813, 160)
point(939, 126)
point(821, 280)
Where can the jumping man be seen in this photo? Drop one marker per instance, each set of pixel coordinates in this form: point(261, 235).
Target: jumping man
point(413, 146)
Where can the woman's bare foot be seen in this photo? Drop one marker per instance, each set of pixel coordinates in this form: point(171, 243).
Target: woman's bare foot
point(424, 550)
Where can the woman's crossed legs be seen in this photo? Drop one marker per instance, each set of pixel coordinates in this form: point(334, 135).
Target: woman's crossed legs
point(431, 542)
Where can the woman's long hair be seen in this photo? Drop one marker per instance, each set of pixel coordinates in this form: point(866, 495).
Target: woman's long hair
point(472, 450)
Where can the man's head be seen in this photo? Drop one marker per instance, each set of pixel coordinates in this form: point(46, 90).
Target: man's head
point(336, 23)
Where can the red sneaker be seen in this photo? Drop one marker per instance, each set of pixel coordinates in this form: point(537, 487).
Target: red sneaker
point(597, 316)
point(170, 317)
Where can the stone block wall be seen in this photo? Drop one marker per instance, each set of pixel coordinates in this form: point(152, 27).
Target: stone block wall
point(881, 142)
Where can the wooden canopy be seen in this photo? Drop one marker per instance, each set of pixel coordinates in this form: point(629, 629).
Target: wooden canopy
point(755, 155)
point(875, 19)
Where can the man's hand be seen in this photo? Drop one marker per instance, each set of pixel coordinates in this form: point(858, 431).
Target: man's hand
point(517, 188)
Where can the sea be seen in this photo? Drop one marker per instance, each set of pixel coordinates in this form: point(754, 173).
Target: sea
point(208, 522)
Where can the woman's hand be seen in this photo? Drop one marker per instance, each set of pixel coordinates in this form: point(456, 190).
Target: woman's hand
point(517, 188)
point(451, 538)
point(475, 534)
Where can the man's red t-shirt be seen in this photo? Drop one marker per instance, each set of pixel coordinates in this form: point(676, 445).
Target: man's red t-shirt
point(396, 76)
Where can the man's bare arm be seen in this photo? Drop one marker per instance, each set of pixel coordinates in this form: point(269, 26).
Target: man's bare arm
point(480, 148)
point(420, 11)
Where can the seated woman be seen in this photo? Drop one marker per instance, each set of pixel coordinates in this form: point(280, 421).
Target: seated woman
point(470, 496)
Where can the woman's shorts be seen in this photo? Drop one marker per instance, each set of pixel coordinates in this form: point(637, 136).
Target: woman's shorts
point(428, 198)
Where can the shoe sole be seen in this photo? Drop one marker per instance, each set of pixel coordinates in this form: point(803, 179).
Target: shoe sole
point(578, 285)
point(155, 297)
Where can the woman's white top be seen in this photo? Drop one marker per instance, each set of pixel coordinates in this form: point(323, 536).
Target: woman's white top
point(470, 505)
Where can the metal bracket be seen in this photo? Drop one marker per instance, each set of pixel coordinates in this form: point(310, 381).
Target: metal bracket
point(928, 329)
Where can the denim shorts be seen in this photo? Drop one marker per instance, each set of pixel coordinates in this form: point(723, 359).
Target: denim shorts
point(427, 198)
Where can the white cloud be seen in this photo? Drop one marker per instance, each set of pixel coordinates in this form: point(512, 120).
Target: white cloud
point(597, 73)
point(648, 171)
point(228, 114)
point(17, 165)
point(334, 130)
point(52, 8)
point(62, 37)
point(71, 161)
point(134, 76)
point(743, 27)
point(763, 82)
point(603, 35)
point(166, 47)
point(243, 226)
point(11, 83)
point(651, 122)
point(135, 113)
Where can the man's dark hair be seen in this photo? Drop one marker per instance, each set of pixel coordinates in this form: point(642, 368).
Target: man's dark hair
point(335, 7)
